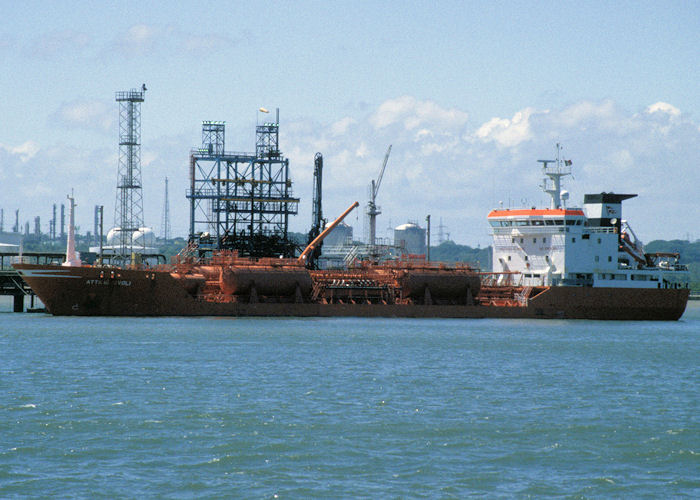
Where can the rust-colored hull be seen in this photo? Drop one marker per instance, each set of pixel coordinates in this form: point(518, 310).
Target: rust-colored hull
point(93, 291)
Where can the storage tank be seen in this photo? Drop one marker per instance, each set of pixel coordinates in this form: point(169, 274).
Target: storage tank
point(443, 284)
point(411, 237)
point(113, 236)
point(339, 236)
point(266, 280)
point(143, 237)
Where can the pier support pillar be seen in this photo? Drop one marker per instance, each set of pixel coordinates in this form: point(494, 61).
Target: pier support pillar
point(18, 303)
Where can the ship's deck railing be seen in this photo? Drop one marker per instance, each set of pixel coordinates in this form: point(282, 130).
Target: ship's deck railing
point(415, 264)
point(529, 229)
point(9, 258)
point(499, 279)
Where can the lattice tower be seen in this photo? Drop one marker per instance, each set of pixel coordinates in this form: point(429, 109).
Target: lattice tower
point(128, 208)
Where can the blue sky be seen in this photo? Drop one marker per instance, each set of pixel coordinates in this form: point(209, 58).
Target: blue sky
point(470, 94)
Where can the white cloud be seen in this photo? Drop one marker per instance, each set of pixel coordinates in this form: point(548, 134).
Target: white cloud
point(148, 158)
point(583, 111)
point(621, 158)
point(83, 114)
point(140, 35)
point(362, 151)
point(341, 126)
point(663, 107)
point(453, 170)
point(412, 113)
point(507, 132)
point(41, 176)
point(25, 151)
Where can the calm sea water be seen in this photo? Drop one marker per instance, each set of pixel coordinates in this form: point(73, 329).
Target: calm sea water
point(328, 408)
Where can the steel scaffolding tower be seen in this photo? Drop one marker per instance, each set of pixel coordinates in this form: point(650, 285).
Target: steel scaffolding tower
point(96, 225)
point(52, 225)
point(241, 201)
point(165, 224)
point(63, 222)
point(128, 208)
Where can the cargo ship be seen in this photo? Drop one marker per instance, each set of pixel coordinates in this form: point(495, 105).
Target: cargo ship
point(550, 263)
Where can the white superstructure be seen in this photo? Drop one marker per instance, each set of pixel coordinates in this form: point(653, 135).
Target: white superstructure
point(589, 246)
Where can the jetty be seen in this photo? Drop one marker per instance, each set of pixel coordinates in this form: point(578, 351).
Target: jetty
point(12, 284)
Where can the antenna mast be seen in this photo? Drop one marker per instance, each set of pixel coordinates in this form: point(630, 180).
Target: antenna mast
point(560, 169)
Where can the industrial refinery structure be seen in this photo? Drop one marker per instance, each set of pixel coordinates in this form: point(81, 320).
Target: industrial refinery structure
point(241, 201)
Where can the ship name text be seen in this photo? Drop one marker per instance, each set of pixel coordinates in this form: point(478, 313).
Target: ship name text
point(108, 282)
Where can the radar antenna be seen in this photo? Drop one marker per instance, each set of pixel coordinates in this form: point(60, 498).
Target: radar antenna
point(561, 168)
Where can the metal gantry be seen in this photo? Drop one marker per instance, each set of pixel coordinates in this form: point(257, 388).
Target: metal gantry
point(317, 220)
point(128, 209)
point(241, 201)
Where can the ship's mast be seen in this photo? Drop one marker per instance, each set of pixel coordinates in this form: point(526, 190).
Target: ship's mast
point(560, 169)
point(72, 258)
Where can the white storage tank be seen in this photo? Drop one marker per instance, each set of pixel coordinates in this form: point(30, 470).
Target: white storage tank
point(411, 237)
point(341, 235)
point(144, 237)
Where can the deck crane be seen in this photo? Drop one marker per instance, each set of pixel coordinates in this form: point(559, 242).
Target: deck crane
point(372, 209)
